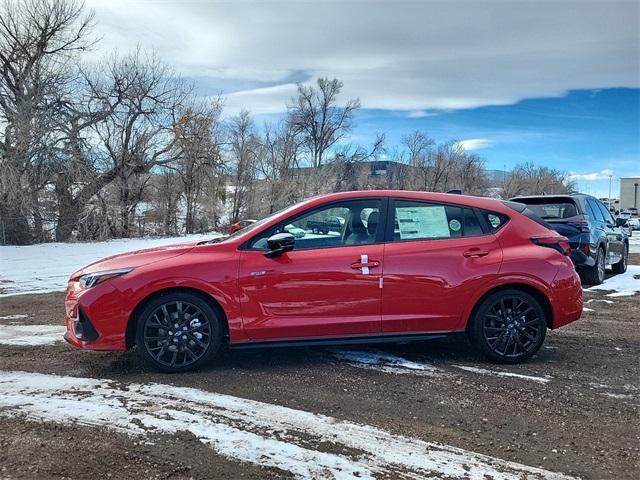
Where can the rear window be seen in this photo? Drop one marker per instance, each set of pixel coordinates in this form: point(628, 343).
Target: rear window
point(551, 209)
point(527, 212)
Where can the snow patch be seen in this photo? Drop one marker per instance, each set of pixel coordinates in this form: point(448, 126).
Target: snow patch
point(585, 309)
point(385, 362)
point(14, 317)
point(31, 335)
point(496, 373)
point(623, 284)
point(248, 430)
point(46, 267)
point(598, 300)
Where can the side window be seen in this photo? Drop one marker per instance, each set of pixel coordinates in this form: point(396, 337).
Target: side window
point(605, 213)
point(471, 225)
point(590, 211)
point(352, 222)
point(596, 211)
point(495, 220)
point(421, 221)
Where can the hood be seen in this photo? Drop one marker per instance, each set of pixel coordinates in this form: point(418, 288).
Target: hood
point(137, 258)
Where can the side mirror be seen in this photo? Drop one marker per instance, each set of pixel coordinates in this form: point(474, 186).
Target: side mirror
point(279, 243)
point(621, 222)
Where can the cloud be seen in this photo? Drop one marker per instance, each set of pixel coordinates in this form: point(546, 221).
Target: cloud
point(590, 177)
point(412, 56)
point(474, 144)
point(420, 114)
point(261, 100)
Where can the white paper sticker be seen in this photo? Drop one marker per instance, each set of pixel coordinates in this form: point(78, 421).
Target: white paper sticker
point(364, 259)
point(423, 222)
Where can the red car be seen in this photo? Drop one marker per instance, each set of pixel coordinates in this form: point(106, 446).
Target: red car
point(236, 227)
point(403, 266)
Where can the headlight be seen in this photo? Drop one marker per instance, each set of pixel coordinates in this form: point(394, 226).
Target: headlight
point(91, 279)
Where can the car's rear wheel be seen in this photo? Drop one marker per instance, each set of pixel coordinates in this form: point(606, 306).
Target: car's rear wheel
point(178, 332)
point(621, 266)
point(508, 326)
point(595, 275)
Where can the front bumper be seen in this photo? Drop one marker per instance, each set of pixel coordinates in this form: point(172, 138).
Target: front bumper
point(95, 318)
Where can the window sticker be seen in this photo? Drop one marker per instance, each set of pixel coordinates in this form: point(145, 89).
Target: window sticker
point(455, 225)
point(494, 220)
point(422, 222)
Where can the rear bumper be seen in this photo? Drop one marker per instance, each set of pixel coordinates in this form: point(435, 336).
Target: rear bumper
point(566, 298)
point(581, 259)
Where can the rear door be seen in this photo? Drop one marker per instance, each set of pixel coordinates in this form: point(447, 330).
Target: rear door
point(435, 257)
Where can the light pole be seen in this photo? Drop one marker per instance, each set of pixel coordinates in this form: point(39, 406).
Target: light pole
point(609, 197)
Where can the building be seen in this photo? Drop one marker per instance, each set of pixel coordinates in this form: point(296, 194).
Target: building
point(629, 193)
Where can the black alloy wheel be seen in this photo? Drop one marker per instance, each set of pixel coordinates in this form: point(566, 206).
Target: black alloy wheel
point(509, 326)
point(178, 332)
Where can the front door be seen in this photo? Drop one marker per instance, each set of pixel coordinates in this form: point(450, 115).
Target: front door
point(328, 285)
point(435, 259)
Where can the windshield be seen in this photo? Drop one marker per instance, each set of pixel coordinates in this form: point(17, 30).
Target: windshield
point(259, 223)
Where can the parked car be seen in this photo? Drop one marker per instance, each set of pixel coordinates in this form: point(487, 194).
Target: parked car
point(328, 224)
point(595, 238)
point(295, 231)
point(407, 266)
point(634, 223)
point(235, 227)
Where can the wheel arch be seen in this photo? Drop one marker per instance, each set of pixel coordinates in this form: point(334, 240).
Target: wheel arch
point(524, 287)
point(132, 322)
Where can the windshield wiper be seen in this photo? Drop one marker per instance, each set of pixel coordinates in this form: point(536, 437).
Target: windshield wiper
point(213, 240)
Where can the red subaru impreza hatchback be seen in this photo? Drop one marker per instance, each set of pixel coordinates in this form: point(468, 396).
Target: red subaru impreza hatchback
point(372, 266)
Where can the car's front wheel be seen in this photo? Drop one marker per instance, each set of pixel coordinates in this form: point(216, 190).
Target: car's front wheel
point(178, 332)
point(509, 326)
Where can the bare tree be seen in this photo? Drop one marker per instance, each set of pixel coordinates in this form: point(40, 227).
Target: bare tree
point(38, 42)
point(138, 135)
point(198, 156)
point(275, 165)
point(350, 170)
point(529, 179)
point(244, 146)
point(319, 120)
point(419, 150)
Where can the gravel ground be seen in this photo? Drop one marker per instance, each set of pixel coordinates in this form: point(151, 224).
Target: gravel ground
point(573, 409)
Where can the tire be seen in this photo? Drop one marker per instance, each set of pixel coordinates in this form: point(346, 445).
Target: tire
point(504, 337)
point(200, 333)
point(595, 275)
point(621, 266)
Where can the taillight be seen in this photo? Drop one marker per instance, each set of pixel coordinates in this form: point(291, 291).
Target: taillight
point(582, 225)
point(586, 248)
point(557, 242)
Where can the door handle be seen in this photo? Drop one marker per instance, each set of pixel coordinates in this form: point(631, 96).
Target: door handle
point(370, 264)
point(365, 264)
point(475, 253)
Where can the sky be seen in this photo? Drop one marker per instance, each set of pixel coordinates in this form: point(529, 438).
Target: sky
point(556, 83)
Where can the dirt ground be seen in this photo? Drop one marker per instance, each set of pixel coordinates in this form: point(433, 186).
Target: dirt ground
point(583, 420)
